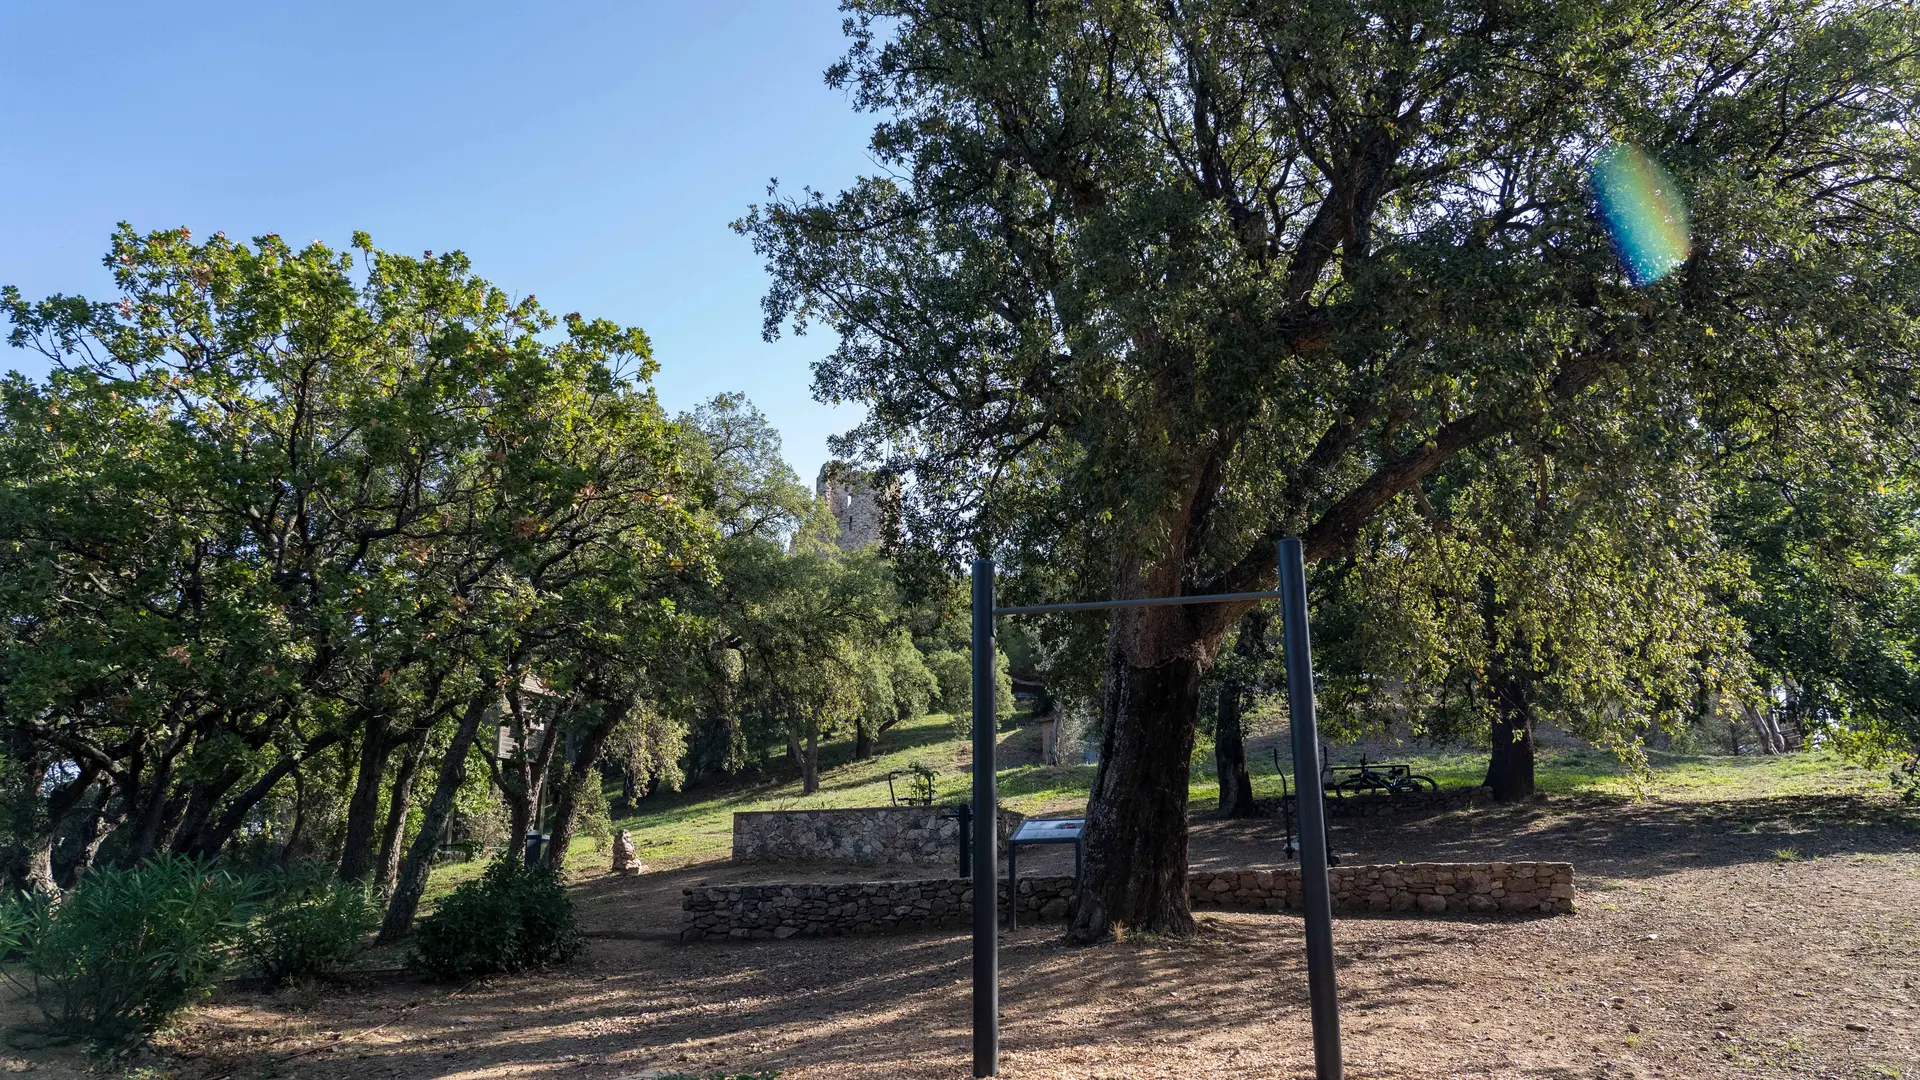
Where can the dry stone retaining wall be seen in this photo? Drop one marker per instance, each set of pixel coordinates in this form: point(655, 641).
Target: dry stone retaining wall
point(869, 835)
point(826, 909)
point(829, 909)
point(1515, 887)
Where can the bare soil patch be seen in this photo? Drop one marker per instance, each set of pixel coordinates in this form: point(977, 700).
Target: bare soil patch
point(1698, 952)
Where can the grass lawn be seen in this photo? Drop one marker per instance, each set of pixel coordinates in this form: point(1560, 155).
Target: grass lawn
point(677, 828)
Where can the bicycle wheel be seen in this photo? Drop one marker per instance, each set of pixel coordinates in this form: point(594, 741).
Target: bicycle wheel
point(1416, 783)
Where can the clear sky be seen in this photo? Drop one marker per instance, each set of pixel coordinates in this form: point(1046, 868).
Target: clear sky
point(590, 152)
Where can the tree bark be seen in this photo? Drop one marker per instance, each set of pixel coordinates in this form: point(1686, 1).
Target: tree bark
point(99, 825)
point(1510, 766)
point(1230, 756)
point(146, 821)
point(810, 762)
point(33, 870)
point(363, 806)
point(215, 836)
point(862, 741)
point(566, 804)
point(1229, 735)
point(395, 828)
point(196, 819)
point(411, 882)
point(299, 817)
point(1135, 870)
point(1771, 741)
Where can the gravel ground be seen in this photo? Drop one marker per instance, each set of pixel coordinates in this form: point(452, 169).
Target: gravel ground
point(1704, 948)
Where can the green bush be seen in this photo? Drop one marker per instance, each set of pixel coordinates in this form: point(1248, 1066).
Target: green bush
point(513, 918)
point(594, 820)
point(312, 927)
point(126, 950)
point(953, 671)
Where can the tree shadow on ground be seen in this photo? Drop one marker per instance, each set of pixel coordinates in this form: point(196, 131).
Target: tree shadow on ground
point(622, 1017)
point(1608, 837)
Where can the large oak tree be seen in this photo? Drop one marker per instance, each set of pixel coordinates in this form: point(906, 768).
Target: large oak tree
point(1144, 285)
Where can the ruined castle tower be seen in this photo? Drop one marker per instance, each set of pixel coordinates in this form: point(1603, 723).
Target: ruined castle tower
point(866, 506)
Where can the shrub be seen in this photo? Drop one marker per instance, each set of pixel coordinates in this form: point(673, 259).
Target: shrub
point(313, 926)
point(513, 918)
point(593, 819)
point(126, 950)
point(953, 671)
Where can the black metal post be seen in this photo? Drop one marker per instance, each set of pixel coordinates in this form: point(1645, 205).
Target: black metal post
point(1316, 893)
point(986, 817)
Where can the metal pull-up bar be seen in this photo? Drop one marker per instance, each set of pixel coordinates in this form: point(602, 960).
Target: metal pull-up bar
point(1316, 894)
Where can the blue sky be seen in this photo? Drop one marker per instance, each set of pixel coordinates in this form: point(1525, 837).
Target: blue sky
point(591, 153)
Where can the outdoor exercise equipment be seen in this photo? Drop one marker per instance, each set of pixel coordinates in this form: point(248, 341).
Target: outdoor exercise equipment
point(1316, 896)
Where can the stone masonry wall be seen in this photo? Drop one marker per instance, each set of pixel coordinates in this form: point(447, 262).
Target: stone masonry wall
point(1433, 888)
point(830, 909)
point(869, 835)
point(827, 909)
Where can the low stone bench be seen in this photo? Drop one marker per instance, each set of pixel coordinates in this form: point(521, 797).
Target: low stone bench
point(829, 909)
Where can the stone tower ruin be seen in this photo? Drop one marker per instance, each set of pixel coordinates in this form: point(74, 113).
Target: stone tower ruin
point(865, 505)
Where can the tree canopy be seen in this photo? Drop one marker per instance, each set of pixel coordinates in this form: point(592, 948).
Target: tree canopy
point(1143, 287)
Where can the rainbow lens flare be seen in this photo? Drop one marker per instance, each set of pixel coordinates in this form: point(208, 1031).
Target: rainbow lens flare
point(1644, 215)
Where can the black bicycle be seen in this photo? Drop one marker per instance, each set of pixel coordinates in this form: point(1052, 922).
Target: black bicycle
point(1365, 779)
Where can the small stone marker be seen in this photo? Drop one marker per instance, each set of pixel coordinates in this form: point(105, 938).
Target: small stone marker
point(625, 861)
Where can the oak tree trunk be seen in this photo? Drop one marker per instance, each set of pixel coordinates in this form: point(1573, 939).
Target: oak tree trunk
point(1510, 766)
point(94, 833)
point(395, 828)
point(1229, 736)
point(810, 762)
point(411, 882)
point(147, 821)
point(215, 834)
point(579, 773)
point(1135, 869)
point(363, 806)
point(1230, 755)
point(197, 819)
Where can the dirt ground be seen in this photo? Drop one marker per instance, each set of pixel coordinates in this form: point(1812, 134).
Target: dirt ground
point(1757, 938)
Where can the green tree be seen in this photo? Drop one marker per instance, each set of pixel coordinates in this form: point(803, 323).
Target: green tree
point(1147, 286)
point(282, 511)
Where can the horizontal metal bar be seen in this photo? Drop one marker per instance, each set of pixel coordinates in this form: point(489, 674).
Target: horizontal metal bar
point(1158, 601)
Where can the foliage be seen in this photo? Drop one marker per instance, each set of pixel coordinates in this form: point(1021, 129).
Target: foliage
point(1140, 288)
point(1905, 779)
point(953, 669)
point(1604, 610)
point(1833, 542)
point(311, 926)
point(504, 509)
point(513, 918)
point(124, 952)
point(595, 820)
